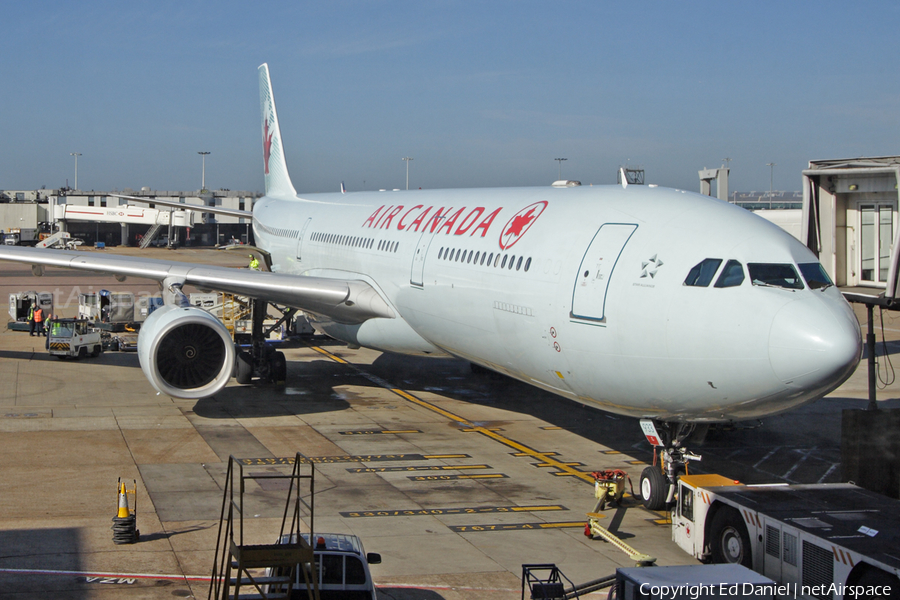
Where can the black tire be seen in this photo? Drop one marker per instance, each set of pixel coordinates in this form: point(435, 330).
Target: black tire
point(654, 488)
point(278, 368)
point(728, 539)
point(95, 352)
point(243, 371)
point(82, 352)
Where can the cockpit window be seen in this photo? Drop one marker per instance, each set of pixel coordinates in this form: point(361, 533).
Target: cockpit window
point(815, 276)
point(775, 275)
point(701, 275)
point(732, 275)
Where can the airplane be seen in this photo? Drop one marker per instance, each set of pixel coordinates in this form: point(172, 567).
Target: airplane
point(656, 303)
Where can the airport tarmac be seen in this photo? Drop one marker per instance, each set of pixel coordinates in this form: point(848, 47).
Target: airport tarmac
point(455, 478)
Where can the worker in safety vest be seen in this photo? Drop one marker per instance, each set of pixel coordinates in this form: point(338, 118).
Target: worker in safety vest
point(254, 263)
point(39, 321)
point(31, 321)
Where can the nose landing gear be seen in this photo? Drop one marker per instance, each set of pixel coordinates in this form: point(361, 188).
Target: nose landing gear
point(658, 480)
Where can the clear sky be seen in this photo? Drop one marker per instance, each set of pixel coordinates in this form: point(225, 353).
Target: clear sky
point(478, 93)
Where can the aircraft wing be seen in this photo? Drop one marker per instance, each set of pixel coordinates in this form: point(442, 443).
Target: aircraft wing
point(232, 212)
point(346, 301)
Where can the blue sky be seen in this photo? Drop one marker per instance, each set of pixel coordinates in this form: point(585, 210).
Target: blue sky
point(478, 93)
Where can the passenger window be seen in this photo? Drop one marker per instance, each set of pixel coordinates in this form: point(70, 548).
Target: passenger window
point(527, 264)
point(490, 258)
point(469, 259)
point(519, 264)
point(482, 257)
point(702, 273)
point(732, 275)
point(477, 254)
point(512, 259)
point(503, 264)
point(356, 575)
point(815, 276)
point(775, 275)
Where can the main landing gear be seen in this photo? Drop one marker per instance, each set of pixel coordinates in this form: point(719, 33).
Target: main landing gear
point(658, 480)
point(261, 360)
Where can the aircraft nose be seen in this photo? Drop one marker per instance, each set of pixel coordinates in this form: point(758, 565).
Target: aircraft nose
point(815, 343)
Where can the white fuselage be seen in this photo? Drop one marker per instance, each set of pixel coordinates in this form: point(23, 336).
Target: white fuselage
point(580, 291)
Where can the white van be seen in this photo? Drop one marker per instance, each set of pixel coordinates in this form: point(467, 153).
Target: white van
point(342, 567)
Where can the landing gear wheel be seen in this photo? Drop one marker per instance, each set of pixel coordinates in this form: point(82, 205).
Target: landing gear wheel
point(729, 540)
point(279, 368)
point(654, 488)
point(243, 371)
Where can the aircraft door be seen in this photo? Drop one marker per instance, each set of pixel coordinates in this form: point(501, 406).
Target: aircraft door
point(596, 269)
point(417, 272)
point(300, 239)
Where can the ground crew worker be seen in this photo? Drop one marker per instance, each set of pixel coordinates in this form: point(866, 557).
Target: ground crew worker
point(31, 320)
point(39, 321)
point(254, 262)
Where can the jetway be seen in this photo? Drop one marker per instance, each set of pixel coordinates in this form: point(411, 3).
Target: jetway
point(129, 215)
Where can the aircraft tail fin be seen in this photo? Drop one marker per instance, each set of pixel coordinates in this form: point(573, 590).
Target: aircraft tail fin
point(278, 181)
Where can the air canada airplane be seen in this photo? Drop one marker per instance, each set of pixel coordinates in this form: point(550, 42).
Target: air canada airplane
point(655, 303)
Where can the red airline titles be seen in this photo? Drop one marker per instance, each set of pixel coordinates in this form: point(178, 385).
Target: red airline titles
point(440, 220)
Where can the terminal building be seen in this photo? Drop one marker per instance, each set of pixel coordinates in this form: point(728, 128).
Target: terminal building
point(104, 218)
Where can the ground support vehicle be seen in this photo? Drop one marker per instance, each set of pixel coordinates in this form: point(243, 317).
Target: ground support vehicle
point(73, 337)
point(691, 582)
point(342, 568)
point(828, 540)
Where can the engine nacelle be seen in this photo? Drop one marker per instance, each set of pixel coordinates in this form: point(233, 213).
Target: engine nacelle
point(185, 352)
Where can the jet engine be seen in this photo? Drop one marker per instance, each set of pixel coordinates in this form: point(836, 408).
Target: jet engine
point(185, 352)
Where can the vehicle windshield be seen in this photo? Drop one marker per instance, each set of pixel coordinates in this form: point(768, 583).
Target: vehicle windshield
point(815, 275)
point(732, 275)
point(775, 275)
point(702, 273)
point(62, 329)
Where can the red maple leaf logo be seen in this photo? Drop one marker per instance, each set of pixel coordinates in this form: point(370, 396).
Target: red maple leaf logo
point(519, 224)
point(267, 144)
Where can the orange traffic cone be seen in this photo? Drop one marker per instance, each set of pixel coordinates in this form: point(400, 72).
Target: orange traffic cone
point(123, 503)
point(124, 523)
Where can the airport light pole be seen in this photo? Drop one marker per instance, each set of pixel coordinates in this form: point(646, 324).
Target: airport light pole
point(771, 166)
point(76, 155)
point(406, 159)
point(203, 176)
point(559, 170)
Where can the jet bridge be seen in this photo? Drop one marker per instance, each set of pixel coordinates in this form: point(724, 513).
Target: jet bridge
point(127, 215)
point(850, 222)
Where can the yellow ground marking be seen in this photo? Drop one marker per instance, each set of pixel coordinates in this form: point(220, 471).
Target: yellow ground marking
point(522, 448)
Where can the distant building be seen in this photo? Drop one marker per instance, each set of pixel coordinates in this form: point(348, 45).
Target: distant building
point(767, 200)
point(30, 208)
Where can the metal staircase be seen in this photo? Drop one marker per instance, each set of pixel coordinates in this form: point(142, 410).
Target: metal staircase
point(236, 566)
point(151, 234)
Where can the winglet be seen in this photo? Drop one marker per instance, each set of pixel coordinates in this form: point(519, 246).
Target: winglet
point(343, 189)
point(278, 181)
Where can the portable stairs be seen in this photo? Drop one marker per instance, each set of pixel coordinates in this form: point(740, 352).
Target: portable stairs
point(151, 234)
point(236, 566)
